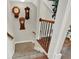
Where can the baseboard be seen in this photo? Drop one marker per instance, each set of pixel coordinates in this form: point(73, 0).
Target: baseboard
point(24, 41)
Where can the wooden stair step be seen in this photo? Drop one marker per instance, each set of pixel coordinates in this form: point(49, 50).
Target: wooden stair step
point(44, 43)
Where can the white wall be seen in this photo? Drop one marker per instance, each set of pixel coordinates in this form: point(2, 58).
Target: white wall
point(49, 4)
point(10, 27)
point(10, 42)
point(38, 16)
point(30, 24)
point(45, 12)
point(35, 2)
point(10, 48)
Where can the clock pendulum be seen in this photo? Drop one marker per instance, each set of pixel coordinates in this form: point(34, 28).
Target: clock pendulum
point(22, 23)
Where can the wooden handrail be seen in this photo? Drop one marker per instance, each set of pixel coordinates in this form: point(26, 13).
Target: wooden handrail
point(9, 35)
point(50, 21)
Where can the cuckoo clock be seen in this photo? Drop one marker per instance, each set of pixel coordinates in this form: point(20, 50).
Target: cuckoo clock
point(22, 23)
point(16, 11)
point(27, 12)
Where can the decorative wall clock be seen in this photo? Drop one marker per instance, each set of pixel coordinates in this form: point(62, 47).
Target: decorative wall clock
point(27, 12)
point(16, 11)
point(22, 23)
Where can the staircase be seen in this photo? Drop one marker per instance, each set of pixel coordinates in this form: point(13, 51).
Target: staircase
point(44, 42)
point(26, 51)
point(45, 33)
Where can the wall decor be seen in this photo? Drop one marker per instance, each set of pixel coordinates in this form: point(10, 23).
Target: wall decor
point(22, 23)
point(27, 12)
point(16, 11)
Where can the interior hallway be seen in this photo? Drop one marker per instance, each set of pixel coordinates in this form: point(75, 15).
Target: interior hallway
point(38, 25)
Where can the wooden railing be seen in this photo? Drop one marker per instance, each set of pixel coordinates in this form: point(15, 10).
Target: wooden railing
point(47, 20)
point(45, 33)
point(9, 35)
point(46, 27)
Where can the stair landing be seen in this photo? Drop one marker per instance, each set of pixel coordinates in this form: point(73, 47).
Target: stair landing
point(26, 51)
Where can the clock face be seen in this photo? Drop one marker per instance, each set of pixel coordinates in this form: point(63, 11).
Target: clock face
point(16, 10)
point(22, 22)
point(27, 11)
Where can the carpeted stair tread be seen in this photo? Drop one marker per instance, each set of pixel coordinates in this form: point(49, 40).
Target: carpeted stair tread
point(26, 51)
point(24, 47)
point(27, 55)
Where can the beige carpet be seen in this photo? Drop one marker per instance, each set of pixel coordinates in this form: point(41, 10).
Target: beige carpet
point(26, 51)
point(24, 47)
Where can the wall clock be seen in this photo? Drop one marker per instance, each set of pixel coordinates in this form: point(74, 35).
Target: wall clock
point(22, 23)
point(16, 11)
point(27, 12)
